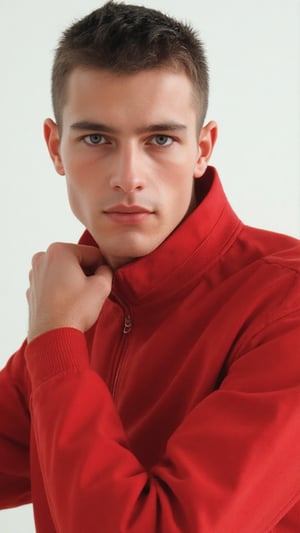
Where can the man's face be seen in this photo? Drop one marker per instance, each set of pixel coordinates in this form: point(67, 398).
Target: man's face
point(130, 151)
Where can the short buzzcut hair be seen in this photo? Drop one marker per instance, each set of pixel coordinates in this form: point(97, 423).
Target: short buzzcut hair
point(124, 39)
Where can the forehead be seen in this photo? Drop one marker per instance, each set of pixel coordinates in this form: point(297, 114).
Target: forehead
point(146, 93)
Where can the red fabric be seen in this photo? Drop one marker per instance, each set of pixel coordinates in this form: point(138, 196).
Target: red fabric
point(187, 423)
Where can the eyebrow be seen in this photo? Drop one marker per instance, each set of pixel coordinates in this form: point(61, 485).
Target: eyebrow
point(85, 125)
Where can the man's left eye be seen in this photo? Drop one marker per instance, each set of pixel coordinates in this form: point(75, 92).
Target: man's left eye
point(162, 140)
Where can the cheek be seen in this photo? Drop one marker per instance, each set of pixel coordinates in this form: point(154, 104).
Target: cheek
point(181, 183)
point(77, 198)
point(74, 199)
point(181, 168)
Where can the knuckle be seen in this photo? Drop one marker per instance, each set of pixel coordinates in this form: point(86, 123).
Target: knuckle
point(36, 258)
point(55, 247)
point(58, 249)
point(104, 283)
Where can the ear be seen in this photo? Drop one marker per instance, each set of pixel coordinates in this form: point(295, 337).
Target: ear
point(207, 139)
point(52, 138)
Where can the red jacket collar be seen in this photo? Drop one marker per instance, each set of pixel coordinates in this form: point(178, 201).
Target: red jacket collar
point(188, 251)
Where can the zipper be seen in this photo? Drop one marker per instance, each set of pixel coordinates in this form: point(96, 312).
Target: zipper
point(127, 327)
point(127, 324)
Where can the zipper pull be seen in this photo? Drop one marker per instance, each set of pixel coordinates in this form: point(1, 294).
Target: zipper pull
point(127, 324)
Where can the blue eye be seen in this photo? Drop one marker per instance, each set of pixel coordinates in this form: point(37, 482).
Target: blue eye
point(94, 139)
point(162, 140)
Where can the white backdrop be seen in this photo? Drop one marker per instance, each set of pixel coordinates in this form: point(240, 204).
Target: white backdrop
point(253, 48)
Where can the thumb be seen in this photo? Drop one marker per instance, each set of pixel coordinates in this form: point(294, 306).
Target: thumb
point(102, 280)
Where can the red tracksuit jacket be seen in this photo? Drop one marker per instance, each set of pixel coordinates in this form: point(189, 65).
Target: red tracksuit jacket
point(179, 411)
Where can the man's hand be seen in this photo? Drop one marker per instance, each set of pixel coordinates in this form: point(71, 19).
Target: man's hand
point(68, 286)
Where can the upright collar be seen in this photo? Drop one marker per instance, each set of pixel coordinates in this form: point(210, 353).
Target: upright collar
point(192, 247)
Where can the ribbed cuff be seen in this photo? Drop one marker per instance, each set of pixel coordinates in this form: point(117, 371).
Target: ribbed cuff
point(54, 352)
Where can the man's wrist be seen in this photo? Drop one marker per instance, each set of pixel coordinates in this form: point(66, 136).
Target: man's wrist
point(54, 352)
point(41, 329)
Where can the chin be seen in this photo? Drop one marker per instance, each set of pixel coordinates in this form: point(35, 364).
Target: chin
point(127, 254)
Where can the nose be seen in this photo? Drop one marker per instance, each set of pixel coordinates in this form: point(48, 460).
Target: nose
point(129, 171)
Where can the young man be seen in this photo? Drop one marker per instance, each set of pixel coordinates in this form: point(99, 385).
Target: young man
point(159, 387)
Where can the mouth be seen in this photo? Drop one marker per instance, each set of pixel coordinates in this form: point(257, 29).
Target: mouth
point(124, 214)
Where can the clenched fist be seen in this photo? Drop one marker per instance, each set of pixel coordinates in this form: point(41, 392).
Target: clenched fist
point(68, 286)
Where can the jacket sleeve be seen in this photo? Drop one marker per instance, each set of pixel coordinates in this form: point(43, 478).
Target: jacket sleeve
point(14, 434)
point(233, 465)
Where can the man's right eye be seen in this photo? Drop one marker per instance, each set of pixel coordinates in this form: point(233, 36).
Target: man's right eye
point(94, 139)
